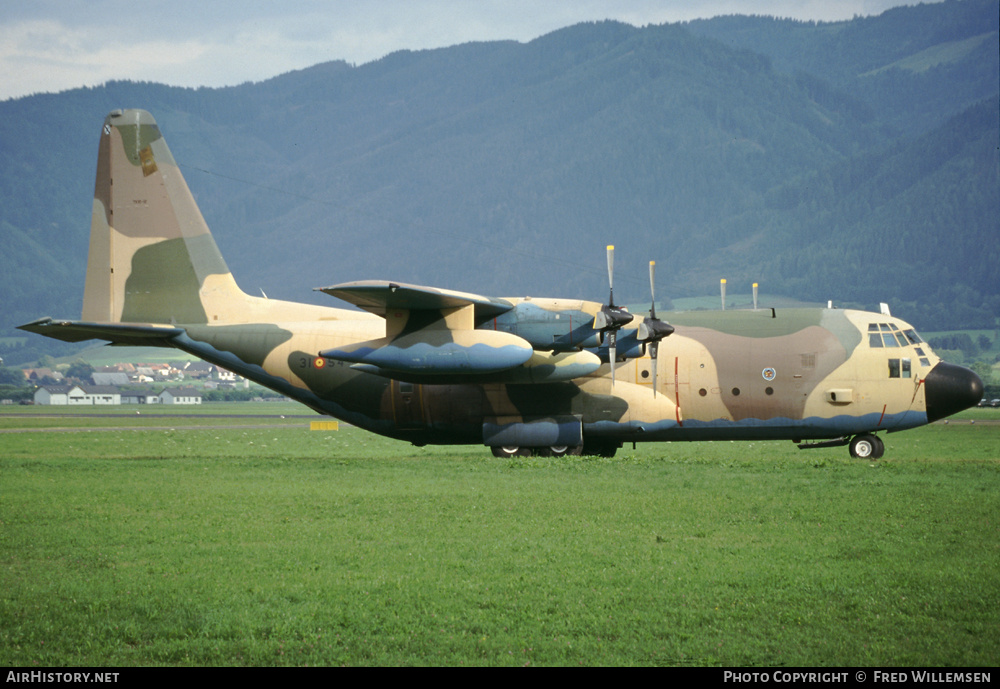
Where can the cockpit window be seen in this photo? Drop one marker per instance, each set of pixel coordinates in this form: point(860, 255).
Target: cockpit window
point(889, 335)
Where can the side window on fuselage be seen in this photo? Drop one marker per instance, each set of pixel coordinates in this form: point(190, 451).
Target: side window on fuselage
point(900, 368)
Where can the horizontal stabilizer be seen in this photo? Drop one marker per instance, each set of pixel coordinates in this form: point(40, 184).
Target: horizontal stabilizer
point(380, 297)
point(116, 333)
point(439, 352)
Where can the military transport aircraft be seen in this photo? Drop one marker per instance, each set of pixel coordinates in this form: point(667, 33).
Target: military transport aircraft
point(522, 376)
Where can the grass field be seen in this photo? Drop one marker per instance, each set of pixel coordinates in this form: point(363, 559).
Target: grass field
point(255, 541)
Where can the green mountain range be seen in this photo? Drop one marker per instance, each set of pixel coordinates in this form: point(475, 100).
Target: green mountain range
point(853, 161)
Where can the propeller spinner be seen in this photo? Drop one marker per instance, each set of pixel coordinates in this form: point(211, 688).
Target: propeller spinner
point(652, 329)
point(610, 318)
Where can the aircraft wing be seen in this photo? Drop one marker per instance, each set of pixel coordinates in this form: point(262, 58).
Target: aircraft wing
point(380, 297)
point(432, 336)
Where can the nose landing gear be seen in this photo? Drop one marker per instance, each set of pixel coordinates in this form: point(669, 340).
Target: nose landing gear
point(866, 446)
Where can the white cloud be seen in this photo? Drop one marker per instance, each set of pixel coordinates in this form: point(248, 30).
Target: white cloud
point(40, 56)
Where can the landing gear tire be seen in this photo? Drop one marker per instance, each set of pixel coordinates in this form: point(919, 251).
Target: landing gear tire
point(553, 451)
point(563, 450)
point(510, 451)
point(867, 446)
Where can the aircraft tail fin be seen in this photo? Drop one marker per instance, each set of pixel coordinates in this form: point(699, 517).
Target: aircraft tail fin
point(152, 257)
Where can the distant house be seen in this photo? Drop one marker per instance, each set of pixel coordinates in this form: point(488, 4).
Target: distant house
point(135, 397)
point(198, 369)
point(180, 396)
point(52, 394)
point(205, 370)
point(105, 378)
point(78, 395)
point(123, 367)
point(95, 394)
point(224, 375)
point(37, 375)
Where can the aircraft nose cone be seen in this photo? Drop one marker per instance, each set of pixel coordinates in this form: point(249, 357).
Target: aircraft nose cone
point(949, 389)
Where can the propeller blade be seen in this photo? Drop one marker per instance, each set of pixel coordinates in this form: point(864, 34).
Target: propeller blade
point(610, 318)
point(652, 355)
point(652, 289)
point(652, 329)
point(655, 344)
point(611, 274)
point(612, 353)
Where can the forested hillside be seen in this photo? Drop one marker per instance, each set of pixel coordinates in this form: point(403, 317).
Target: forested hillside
point(910, 65)
point(855, 161)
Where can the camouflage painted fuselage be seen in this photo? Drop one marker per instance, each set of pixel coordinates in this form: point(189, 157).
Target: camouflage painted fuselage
point(797, 373)
point(437, 366)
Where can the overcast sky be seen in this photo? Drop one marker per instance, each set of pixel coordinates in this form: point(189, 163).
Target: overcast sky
point(54, 45)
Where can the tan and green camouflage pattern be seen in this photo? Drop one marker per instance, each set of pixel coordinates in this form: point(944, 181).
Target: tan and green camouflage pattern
point(430, 365)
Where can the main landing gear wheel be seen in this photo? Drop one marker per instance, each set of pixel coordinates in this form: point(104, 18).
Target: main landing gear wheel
point(510, 451)
point(867, 446)
point(553, 451)
point(561, 450)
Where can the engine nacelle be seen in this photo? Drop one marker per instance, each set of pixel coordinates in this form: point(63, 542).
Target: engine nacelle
point(629, 347)
point(549, 324)
point(439, 352)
